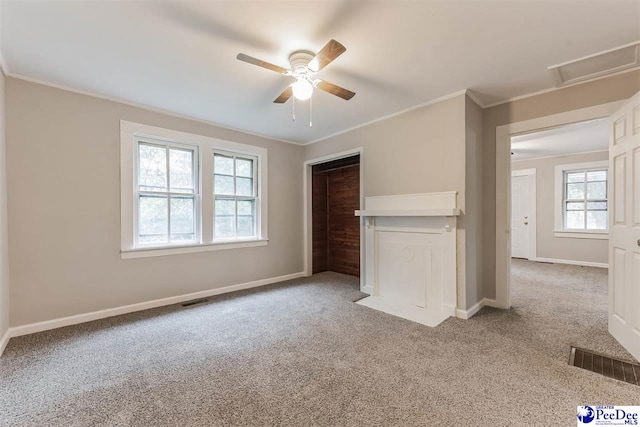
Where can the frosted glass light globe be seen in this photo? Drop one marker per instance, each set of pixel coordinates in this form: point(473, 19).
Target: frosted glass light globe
point(302, 89)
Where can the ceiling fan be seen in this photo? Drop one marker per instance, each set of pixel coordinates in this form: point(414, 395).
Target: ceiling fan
point(304, 65)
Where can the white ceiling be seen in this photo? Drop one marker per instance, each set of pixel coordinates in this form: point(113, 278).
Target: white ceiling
point(582, 137)
point(180, 56)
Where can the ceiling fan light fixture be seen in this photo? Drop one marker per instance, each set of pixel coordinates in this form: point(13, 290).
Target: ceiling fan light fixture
point(302, 89)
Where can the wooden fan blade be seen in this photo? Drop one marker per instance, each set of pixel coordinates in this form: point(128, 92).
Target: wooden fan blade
point(327, 54)
point(260, 63)
point(284, 96)
point(336, 90)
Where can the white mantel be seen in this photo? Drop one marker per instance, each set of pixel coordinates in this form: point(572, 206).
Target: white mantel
point(410, 254)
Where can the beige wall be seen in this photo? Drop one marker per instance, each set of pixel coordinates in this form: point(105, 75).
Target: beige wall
point(549, 246)
point(4, 244)
point(602, 91)
point(473, 192)
point(64, 210)
point(419, 151)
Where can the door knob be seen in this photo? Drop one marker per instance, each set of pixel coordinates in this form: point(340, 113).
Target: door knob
point(526, 223)
point(638, 242)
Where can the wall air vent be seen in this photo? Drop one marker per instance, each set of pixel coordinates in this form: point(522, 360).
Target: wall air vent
point(598, 65)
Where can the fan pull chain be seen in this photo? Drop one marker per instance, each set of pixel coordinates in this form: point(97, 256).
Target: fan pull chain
point(310, 112)
point(294, 108)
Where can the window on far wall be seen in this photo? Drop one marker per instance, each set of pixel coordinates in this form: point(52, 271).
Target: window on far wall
point(235, 193)
point(167, 193)
point(585, 201)
point(182, 193)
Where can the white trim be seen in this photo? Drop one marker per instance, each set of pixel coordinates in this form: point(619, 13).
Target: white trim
point(474, 98)
point(388, 116)
point(130, 132)
point(557, 75)
point(146, 107)
point(402, 212)
point(560, 155)
point(307, 230)
point(572, 262)
point(5, 340)
point(558, 185)
point(581, 234)
point(110, 312)
point(153, 252)
point(503, 183)
point(468, 314)
point(533, 208)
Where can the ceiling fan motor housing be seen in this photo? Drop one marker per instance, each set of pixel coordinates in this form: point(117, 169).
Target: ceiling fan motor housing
point(299, 61)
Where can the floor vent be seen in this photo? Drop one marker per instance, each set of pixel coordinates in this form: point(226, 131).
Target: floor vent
point(194, 302)
point(607, 366)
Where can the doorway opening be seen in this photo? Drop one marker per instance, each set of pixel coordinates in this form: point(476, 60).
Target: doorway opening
point(560, 202)
point(335, 196)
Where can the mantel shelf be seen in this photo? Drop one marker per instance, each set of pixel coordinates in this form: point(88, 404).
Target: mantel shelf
point(406, 212)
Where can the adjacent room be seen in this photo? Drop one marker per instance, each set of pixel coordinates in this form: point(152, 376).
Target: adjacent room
point(560, 230)
point(331, 213)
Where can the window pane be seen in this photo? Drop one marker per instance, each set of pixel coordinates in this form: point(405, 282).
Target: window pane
point(575, 220)
point(182, 218)
point(575, 176)
point(223, 184)
point(597, 220)
point(225, 207)
point(153, 221)
point(575, 191)
point(597, 176)
point(181, 170)
point(224, 226)
point(223, 165)
point(152, 164)
point(573, 206)
point(597, 206)
point(245, 226)
point(597, 190)
point(244, 186)
point(245, 207)
point(244, 167)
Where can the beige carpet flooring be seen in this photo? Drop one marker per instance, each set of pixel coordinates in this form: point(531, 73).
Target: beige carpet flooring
point(301, 353)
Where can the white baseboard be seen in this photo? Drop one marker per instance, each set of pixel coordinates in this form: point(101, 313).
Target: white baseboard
point(468, 314)
point(110, 312)
point(4, 340)
point(572, 262)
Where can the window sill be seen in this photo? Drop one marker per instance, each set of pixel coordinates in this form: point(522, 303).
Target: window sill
point(206, 247)
point(579, 234)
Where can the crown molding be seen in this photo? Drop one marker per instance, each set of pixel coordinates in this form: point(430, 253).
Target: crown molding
point(559, 155)
point(147, 107)
point(475, 98)
point(388, 116)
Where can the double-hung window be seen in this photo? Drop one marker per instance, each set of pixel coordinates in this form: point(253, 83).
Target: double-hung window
point(235, 194)
point(582, 200)
point(167, 193)
point(183, 193)
point(585, 201)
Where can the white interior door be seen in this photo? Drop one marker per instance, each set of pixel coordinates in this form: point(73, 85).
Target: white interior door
point(624, 226)
point(520, 216)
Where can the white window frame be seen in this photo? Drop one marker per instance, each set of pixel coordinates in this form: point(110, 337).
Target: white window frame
point(560, 171)
point(130, 133)
point(255, 197)
point(143, 140)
